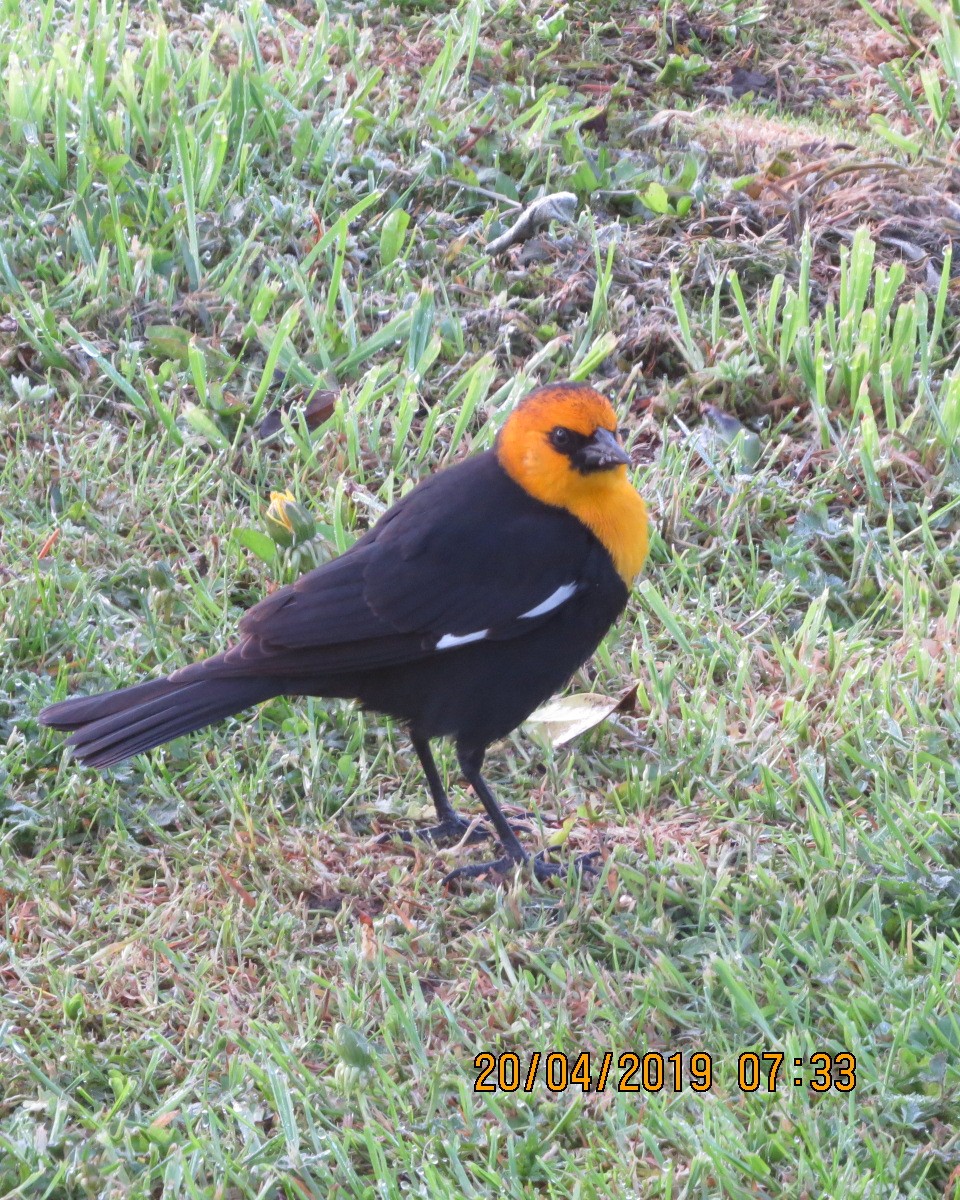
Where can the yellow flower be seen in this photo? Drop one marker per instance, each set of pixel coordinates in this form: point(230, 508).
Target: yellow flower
point(287, 523)
point(278, 509)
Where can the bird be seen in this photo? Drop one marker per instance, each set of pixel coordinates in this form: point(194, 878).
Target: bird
point(471, 601)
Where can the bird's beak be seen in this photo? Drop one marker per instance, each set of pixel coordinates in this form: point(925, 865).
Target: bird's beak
point(603, 451)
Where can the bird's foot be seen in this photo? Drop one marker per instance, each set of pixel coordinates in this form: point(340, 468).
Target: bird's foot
point(452, 829)
point(498, 870)
point(583, 864)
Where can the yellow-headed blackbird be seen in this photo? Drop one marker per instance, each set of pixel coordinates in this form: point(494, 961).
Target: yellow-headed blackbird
point(472, 600)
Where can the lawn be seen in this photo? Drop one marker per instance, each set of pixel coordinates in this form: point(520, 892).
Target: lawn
point(245, 249)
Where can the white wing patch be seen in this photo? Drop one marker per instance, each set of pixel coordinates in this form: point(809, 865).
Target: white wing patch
point(554, 600)
point(449, 640)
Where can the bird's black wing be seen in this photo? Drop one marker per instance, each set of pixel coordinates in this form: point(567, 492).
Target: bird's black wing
point(466, 556)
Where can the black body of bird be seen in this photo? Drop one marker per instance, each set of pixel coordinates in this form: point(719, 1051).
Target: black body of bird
point(472, 600)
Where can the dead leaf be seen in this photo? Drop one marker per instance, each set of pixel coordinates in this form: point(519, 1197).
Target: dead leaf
point(568, 717)
point(165, 1119)
point(245, 897)
point(560, 206)
point(743, 81)
point(48, 545)
point(315, 412)
point(881, 49)
point(368, 939)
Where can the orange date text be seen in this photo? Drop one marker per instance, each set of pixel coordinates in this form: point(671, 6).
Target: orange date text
point(627, 1072)
point(631, 1071)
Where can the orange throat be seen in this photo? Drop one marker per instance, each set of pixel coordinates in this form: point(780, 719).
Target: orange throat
point(619, 520)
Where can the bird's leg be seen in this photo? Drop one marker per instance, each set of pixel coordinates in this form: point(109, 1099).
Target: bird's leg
point(471, 762)
point(450, 827)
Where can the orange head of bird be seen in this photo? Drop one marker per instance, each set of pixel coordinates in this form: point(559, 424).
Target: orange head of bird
point(560, 445)
point(561, 441)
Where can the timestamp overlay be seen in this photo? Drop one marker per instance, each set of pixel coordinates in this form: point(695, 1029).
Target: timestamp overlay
point(652, 1071)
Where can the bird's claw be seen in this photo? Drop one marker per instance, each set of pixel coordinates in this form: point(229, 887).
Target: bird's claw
point(498, 870)
point(448, 831)
point(583, 864)
point(455, 830)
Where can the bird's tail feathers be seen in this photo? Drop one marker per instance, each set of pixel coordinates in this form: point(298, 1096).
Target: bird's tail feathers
point(109, 728)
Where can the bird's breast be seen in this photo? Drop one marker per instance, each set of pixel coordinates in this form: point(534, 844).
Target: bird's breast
point(618, 519)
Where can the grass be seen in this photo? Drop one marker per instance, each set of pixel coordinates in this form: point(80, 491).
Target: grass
point(213, 983)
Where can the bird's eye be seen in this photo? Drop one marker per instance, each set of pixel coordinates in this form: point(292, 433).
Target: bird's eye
point(560, 438)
